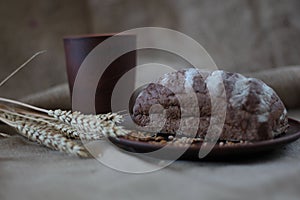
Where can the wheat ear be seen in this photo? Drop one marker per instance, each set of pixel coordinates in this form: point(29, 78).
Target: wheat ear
point(105, 123)
point(65, 129)
point(45, 135)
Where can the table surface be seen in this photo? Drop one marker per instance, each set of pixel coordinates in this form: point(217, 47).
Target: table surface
point(30, 171)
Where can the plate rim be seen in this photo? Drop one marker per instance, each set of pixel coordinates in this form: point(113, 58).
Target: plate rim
point(242, 147)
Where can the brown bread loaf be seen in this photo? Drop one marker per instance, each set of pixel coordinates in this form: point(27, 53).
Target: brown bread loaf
point(253, 112)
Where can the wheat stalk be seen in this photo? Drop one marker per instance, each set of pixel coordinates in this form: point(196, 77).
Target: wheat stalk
point(44, 135)
point(53, 131)
point(90, 123)
point(21, 67)
point(65, 129)
point(4, 135)
point(56, 128)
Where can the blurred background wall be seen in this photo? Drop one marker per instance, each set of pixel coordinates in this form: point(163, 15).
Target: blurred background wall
point(240, 35)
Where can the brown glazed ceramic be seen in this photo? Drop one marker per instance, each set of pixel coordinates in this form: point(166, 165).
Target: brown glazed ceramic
point(219, 153)
point(76, 50)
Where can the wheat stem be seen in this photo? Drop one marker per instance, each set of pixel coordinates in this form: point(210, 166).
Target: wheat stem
point(22, 116)
point(4, 135)
point(21, 67)
point(24, 105)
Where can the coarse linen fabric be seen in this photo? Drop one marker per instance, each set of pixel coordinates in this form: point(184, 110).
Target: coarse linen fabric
point(31, 171)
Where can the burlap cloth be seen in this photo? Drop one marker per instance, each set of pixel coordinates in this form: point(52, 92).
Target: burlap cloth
point(30, 171)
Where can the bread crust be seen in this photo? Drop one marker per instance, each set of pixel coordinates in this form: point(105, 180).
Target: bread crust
point(254, 111)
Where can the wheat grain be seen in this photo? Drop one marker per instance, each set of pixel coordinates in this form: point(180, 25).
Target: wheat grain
point(74, 133)
point(69, 116)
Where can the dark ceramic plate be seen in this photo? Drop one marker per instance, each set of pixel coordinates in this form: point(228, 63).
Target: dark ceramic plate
point(241, 150)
